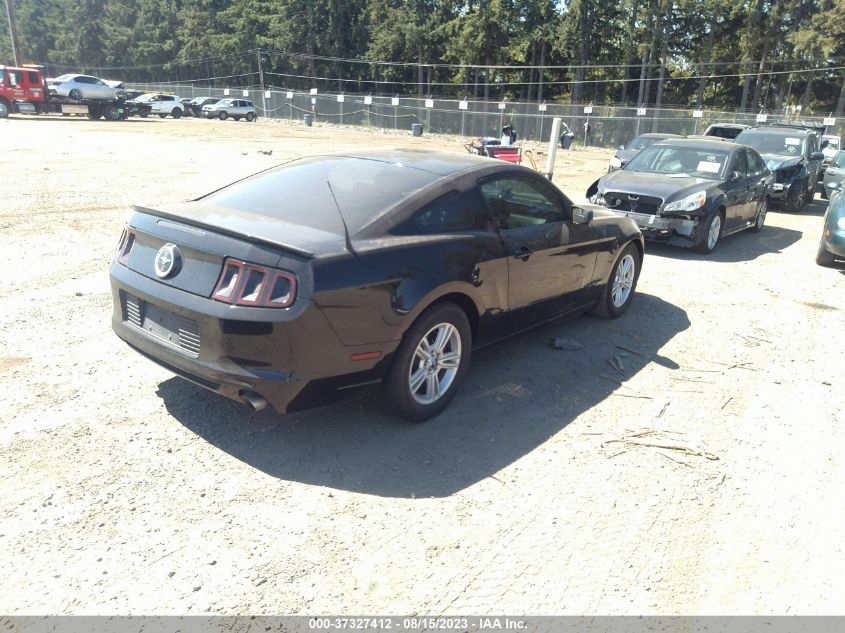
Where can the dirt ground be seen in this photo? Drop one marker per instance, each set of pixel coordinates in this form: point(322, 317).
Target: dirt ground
point(543, 489)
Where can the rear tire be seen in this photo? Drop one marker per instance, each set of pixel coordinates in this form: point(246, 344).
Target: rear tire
point(4, 109)
point(621, 284)
point(111, 113)
point(430, 363)
point(94, 112)
point(224, 115)
point(76, 94)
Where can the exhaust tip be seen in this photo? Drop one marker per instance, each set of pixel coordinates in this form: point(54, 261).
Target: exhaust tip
point(253, 400)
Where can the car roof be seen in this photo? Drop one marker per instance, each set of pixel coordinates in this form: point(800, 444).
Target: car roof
point(658, 135)
point(782, 129)
point(741, 126)
point(436, 162)
point(703, 142)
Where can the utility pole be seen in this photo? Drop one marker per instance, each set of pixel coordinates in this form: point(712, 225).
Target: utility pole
point(13, 32)
point(260, 81)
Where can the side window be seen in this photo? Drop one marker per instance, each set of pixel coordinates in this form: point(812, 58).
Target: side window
point(741, 164)
point(756, 163)
point(33, 77)
point(83, 80)
point(450, 212)
point(15, 77)
point(516, 202)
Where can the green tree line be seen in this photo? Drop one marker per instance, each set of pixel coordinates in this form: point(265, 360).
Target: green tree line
point(734, 54)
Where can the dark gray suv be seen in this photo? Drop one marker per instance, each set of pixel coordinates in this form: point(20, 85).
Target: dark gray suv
point(792, 154)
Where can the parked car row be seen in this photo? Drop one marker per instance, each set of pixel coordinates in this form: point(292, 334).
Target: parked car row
point(165, 105)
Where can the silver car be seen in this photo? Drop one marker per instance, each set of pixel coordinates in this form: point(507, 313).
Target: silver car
point(82, 87)
point(236, 108)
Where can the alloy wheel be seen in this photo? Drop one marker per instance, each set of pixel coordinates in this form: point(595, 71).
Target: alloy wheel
point(623, 281)
point(715, 230)
point(761, 214)
point(435, 363)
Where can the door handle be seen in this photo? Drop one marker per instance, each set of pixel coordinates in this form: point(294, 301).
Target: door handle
point(522, 253)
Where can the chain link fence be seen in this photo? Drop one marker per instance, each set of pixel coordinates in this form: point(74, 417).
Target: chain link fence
point(604, 126)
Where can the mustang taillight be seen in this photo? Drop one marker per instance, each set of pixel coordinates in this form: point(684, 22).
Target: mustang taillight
point(252, 285)
point(124, 247)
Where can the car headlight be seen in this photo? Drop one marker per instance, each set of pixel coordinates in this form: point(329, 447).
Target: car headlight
point(615, 162)
point(598, 198)
point(841, 224)
point(690, 203)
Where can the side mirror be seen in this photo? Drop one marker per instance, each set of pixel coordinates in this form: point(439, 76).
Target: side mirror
point(581, 216)
point(817, 156)
point(621, 147)
point(735, 176)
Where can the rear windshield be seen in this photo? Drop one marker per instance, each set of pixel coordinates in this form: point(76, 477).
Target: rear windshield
point(298, 192)
point(723, 132)
point(641, 142)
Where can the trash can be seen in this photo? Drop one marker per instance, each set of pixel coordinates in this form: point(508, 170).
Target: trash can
point(566, 140)
point(308, 119)
point(416, 129)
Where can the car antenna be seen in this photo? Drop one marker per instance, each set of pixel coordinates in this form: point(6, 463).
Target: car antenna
point(342, 220)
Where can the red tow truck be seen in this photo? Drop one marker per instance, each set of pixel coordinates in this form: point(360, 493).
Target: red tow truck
point(23, 90)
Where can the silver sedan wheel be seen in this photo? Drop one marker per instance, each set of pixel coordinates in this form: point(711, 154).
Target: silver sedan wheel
point(623, 281)
point(761, 214)
point(435, 363)
point(713, 233)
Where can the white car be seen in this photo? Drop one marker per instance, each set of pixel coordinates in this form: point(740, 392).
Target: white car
point(830, 145)
point(83, 87)
point(167, 104)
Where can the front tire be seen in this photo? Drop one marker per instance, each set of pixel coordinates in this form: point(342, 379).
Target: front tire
point(250, 117)
point(430, 363)
point(823, 257)
point(712, 234)
point(224, 115)
point(796, 197)
point(760, 218)
point(177, 113)
point(621, 284)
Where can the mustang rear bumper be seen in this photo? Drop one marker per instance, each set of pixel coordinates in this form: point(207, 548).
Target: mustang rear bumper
point(292, 359)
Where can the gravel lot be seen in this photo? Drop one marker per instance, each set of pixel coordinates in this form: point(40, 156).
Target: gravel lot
point(542, 490)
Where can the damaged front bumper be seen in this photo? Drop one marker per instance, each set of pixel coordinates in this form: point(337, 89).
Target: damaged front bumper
point(779, 191)
point(676, 231)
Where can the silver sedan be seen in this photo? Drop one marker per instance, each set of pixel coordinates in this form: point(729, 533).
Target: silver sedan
point(82, 87)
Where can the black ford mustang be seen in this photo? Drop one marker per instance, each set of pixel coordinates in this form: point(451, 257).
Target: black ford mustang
point(689, 192)
point(325, 274)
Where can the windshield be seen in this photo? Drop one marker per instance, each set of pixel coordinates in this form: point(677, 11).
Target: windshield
point(839, 159)
point(830, 141)
point(641, 142)
point(225, 102)
point(679, 161)
point(780, 143)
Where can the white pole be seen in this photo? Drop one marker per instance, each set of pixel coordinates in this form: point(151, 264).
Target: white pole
point(550, 161)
